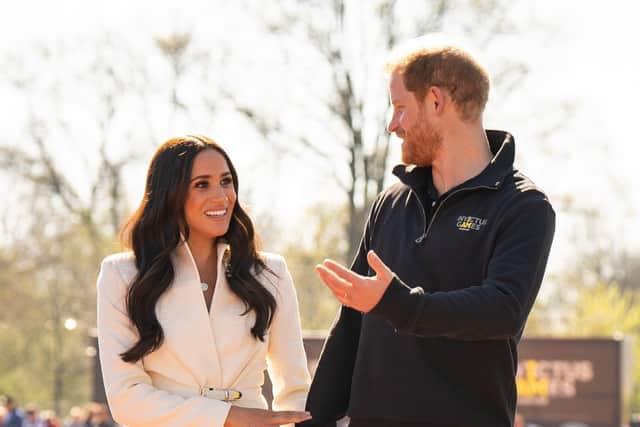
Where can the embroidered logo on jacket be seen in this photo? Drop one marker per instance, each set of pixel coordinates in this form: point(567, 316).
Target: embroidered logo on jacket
point(466, 223)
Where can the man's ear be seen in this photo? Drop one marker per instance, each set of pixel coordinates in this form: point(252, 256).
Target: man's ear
point(436, 98)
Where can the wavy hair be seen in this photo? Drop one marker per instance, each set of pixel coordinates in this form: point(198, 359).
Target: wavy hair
point(154, 231)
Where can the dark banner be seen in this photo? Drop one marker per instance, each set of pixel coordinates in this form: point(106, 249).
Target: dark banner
point(580, 381)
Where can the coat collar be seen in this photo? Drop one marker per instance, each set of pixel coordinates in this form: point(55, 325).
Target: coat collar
point(184, 264)
point(187, 325)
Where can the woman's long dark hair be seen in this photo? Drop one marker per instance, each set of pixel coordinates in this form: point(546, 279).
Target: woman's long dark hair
point(153, 233)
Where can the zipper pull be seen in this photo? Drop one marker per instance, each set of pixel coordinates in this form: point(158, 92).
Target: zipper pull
point(421, 238)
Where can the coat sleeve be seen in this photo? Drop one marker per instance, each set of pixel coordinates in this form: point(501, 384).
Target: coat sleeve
point(133, 400)
point(286, 357)
point(331, 387)
point(496, 308)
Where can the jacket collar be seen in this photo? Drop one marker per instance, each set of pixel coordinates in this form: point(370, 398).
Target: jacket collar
point(186, 270)
point(188, 326)
point(502, 145)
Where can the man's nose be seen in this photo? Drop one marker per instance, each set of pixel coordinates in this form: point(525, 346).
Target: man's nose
point(393, 124)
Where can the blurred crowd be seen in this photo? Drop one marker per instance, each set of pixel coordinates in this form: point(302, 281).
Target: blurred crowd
point(90, 415)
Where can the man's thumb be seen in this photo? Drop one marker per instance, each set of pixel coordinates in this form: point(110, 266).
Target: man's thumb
point(377, 265)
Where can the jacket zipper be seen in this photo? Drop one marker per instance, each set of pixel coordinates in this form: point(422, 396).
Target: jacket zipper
point(421, 238)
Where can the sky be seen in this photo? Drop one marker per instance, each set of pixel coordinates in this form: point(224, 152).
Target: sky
point(582, 58)
point(591, 64)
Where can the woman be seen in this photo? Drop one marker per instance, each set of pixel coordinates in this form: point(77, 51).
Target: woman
point(189, 320)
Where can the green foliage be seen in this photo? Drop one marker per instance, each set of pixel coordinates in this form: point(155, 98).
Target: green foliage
point(324, 233)
point(604, 310)
point(47, 277)
point(317, 305)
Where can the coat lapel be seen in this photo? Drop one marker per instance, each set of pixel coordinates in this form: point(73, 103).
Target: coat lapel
point(184, 318)
point(232, 330)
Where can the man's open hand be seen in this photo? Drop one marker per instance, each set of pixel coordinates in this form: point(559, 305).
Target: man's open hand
point(353, 290)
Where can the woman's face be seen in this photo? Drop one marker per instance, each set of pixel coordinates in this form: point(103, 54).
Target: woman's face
point(211, 196)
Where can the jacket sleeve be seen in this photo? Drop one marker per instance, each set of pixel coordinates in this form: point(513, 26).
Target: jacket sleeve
point(496, 308)
point(331, 387)
point(133, 400)
point(286, 358)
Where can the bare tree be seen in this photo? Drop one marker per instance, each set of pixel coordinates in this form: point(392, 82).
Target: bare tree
point(81, 129)
point(346, 40)
point(69, 222)
point(40, 159)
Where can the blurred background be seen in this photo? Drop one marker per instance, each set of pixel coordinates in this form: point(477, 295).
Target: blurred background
point(295, 91)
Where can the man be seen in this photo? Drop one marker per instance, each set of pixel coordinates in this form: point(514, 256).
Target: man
point(448, 269)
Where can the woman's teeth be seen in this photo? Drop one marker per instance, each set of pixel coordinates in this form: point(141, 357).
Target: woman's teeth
point(216, 213)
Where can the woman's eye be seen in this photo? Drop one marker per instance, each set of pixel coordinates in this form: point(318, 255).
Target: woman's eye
point(202, 184)
point(226, 181)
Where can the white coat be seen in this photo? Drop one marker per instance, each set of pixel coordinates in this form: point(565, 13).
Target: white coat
point(200, 348)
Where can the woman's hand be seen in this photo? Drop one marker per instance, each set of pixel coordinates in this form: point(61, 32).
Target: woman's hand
point(251, 417)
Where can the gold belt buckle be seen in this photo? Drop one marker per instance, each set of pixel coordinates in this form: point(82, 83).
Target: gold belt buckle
point(231, 395)
point(224, 394)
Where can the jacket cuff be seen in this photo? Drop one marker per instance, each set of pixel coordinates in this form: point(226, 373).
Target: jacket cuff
point(313, 423)
point(400, 305)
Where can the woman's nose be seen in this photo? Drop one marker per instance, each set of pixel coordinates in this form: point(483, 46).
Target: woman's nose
point(218, 192)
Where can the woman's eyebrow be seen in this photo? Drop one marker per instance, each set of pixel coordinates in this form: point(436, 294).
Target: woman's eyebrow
point(200, 176)
point(222, 175)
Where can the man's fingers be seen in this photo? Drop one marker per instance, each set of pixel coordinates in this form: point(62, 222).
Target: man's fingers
point(331, 279)
point(338, 286)
point(341, 271)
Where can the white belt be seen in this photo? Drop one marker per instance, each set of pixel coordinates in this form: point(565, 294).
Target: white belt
point(224, 394)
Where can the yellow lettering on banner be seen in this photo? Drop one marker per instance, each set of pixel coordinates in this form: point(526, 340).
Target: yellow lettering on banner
point(531, 385)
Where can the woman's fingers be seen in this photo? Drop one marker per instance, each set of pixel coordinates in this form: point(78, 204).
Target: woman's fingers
point(243, 417)
point(286, 417)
